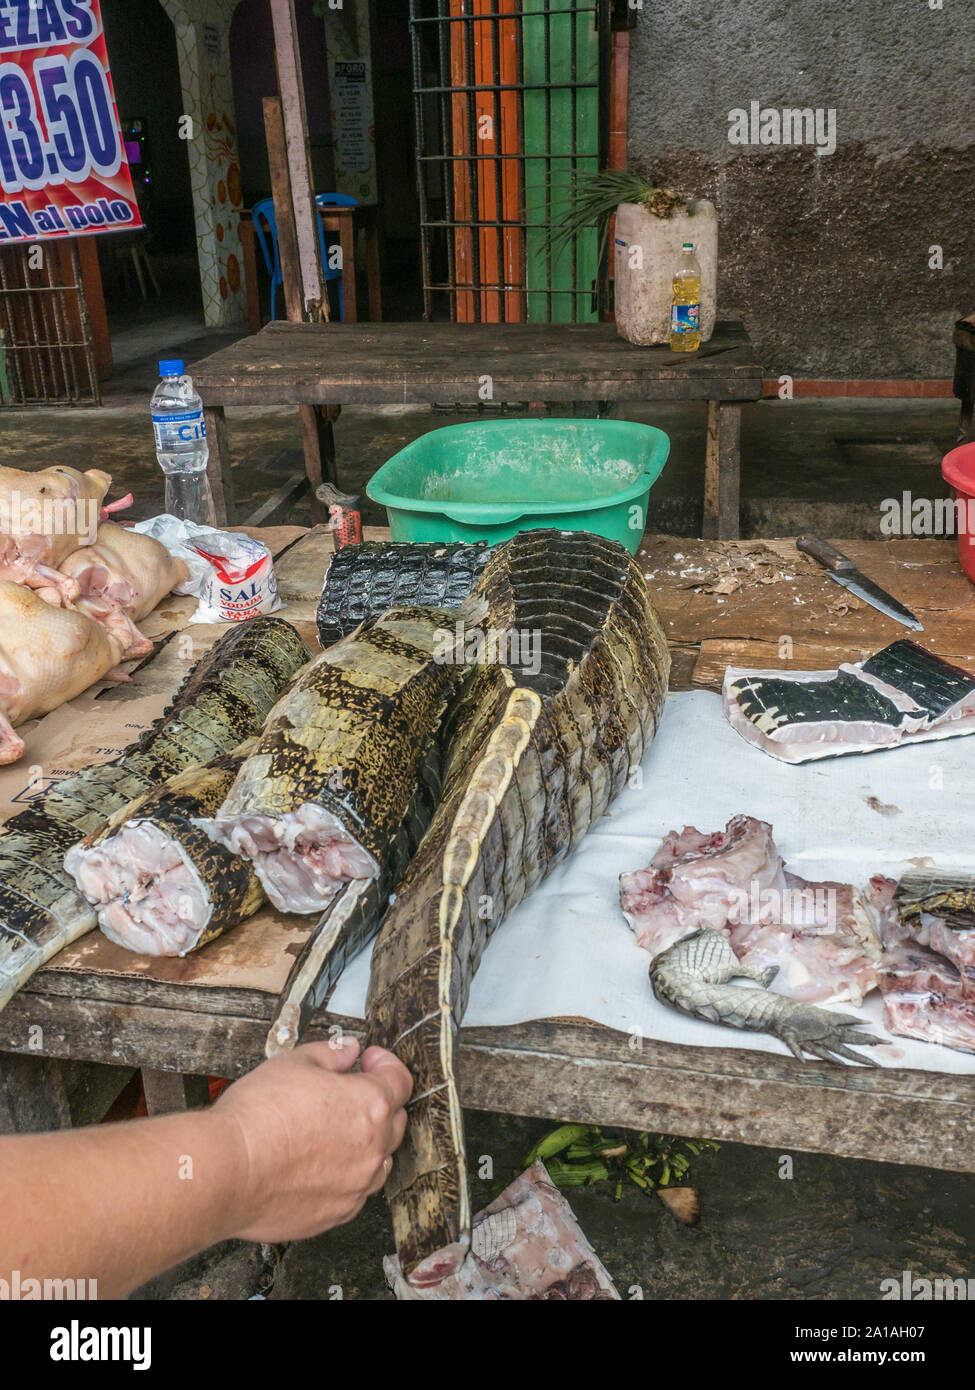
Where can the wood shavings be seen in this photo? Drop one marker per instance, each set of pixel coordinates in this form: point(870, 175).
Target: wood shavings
point(841, 607)
point(736, 568)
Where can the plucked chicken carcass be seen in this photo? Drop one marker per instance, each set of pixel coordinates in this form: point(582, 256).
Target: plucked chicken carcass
point(44, 517)
point(120, 579)
point(48, 655)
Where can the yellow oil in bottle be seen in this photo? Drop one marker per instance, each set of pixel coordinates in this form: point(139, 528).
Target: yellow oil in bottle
point(685, 307)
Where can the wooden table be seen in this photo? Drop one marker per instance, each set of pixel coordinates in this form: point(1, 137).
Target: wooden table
point(81, 1024)
point(420, 363)
point(343, 221)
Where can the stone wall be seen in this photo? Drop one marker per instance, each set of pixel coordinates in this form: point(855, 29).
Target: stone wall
point(825, 256)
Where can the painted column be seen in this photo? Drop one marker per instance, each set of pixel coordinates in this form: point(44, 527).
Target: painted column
point(203, 42)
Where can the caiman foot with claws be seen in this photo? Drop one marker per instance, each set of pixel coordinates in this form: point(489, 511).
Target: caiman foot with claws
point(694, 976)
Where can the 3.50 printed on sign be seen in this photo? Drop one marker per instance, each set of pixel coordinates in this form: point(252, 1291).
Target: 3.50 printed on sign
point(63, 170)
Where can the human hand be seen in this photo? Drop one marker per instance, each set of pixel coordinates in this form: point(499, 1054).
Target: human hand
point(313, 1138)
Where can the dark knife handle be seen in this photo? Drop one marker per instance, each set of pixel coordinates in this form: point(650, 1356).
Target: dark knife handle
point(827, 555)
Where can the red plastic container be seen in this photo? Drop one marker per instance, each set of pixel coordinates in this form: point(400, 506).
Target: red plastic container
point(958, 469)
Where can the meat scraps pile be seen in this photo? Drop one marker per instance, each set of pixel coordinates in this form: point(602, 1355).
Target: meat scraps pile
point(832, 943)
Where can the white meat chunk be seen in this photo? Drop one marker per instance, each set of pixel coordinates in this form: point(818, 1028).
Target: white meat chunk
point(525, 1245)
point(302, 857)
point(696, 880)
point(148, 895)
point(823, 938)
point(928, 997)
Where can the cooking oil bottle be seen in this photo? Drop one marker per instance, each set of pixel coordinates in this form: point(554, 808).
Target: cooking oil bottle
point(685, 307)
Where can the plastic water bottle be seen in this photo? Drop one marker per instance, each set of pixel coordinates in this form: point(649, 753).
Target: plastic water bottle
point(181, 445)
point(685, 309)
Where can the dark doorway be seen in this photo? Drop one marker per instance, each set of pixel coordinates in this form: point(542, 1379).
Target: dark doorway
point(149, 112)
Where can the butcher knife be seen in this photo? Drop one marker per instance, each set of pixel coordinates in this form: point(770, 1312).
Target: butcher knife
point(839, 567)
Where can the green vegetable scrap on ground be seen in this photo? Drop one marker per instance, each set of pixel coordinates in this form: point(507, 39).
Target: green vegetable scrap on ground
point(580, 1155)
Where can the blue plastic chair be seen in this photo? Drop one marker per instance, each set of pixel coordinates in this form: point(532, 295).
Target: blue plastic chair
point(272, 252)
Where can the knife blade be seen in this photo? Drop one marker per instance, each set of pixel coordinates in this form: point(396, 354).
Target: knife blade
point(841, 568)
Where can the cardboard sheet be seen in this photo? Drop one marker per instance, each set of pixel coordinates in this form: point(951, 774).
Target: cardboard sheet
point(81, 734)
point(568, 951)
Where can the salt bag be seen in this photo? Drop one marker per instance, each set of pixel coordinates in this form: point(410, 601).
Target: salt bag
point(232, 574)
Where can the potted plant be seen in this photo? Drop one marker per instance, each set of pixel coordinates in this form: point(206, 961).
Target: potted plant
point(652, 223)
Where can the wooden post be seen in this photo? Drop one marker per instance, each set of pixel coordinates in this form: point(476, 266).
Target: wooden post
point(347, 242)
point(170, 1091)
point(91, 278)
point(247, 242)
point(291, 88)
point(722, 467)
point(371, 218)
point(316, 430)
point(277, 153)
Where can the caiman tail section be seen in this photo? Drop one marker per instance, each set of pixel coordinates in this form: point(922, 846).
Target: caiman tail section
point(223, 701)
point(536, 750)
point(427, 1189)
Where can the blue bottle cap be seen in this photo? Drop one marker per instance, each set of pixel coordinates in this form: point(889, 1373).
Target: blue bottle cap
point(172, 366)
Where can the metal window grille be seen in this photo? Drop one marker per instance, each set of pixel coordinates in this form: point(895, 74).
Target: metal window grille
point(510, 100)
point(46, 353)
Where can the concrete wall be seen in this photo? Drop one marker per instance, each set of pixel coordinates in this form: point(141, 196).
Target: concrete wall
point(825, 257)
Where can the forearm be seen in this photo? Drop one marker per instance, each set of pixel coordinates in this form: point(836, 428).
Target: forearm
point(120, 1203)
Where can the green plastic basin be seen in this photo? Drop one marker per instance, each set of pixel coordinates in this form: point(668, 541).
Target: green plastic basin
point(490, 480)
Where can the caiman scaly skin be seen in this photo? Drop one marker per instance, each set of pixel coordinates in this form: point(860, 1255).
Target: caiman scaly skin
point(224, 700)
point(351, 735)
point(352, 918)
point(532, 761)
point(365, 580)
point(694, 975)
point(233, 890)
point(943, 893)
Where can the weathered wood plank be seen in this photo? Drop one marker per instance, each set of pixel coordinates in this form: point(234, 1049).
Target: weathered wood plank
point(404, 363)
point(579, 1071)
point(718, 1094)
point(170, 1091)
point(767, 591)
point(716, 655)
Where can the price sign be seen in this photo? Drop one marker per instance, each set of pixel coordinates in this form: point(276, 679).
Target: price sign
point(63, 170)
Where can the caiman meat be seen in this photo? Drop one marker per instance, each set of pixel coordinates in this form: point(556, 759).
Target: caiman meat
point(159, 884)
point(323, 797)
